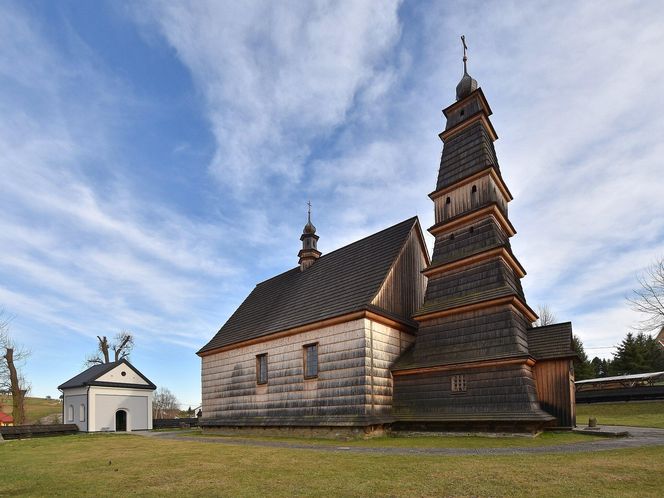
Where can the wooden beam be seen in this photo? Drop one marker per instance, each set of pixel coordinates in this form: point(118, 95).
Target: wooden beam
point(358, 315)
point(511, 301)
point(529, 361)
point(490, 210)
point(481, 117)
point(500, 252)
point(491, 170)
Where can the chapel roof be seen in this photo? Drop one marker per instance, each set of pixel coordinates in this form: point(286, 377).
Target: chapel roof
point(340, 282)
point(551, 341)
point(89, 377)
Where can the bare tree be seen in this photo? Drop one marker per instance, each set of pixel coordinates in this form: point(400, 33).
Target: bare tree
point(11, 380)
point(164, 404)
point(121, 347)
point(649, 298)
point(546, 316)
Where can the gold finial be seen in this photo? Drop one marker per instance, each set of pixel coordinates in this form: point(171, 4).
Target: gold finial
point(465, 57)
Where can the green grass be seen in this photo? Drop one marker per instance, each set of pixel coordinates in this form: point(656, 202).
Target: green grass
point(545, 439)
point(119, 465)
point(634, 413)
point(35, 408)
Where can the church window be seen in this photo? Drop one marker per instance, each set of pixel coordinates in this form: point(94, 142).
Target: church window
point(261, 369)
point(474, 189)
point(472, 229)
point(458, 383)
point(452, 237)
point(70, 413)
point(448, 200)
point(81, 413)
point(311, 361)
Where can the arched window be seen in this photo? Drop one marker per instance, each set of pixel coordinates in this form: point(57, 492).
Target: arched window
point(474, 189)
point(81, 413)
point(70, 413)
point(472, 229)
point(448, 200)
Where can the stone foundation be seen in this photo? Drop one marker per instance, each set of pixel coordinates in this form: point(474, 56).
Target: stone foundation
point(321, 432)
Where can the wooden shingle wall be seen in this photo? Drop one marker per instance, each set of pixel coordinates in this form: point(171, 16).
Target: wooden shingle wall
point(353, 380)
point(384, 345)
point(500, 392)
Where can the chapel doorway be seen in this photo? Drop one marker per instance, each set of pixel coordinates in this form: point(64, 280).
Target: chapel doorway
point(121, 421)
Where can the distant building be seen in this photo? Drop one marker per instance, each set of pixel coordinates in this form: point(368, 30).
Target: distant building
point(109, 397)
point(6, 420)
point(377, 334)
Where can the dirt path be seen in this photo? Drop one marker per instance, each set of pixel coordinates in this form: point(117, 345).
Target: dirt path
point(638, 437)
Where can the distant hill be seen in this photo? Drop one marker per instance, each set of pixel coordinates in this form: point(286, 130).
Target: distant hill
point(36, 409)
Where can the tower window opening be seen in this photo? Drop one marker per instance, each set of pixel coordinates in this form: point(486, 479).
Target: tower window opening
point(462, 111)
point(472, 229)
point(452, 237)
point(448, 200)
point(474, 189)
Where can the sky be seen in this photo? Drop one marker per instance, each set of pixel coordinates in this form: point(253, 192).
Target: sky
point(157, 157)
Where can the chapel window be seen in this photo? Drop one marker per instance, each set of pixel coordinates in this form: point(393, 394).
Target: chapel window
point(261, 369)
point(310, 361)
point(81, 413)
point(70, 413)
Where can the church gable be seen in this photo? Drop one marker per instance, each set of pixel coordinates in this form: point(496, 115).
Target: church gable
point(402, 292)
point(123, 374)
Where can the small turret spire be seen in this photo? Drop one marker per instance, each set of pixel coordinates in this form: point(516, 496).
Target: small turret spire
point(309, 252)
point(467, 85)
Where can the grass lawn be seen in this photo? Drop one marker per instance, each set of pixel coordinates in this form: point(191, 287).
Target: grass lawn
point(545, 439)
point(635, 413)
point(118, 465)
point(35, 408)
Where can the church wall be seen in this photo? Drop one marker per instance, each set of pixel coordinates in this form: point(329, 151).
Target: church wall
point(402, 293)
point(555, 389)
point(384, 345)
point(501, 391)
point(230, 390)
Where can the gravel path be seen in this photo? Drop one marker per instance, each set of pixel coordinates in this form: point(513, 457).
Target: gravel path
point(638, 437)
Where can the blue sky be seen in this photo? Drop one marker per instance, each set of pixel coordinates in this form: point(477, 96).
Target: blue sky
point(156, 158)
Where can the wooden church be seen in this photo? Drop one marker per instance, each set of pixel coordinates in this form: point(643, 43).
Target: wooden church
point(378, 335)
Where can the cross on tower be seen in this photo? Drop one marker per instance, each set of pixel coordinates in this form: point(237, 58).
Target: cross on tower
point(465, 57)
point(309, 211)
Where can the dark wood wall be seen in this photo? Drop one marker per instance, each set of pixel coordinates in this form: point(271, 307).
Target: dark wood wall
point(555, 389)
point(402, 293)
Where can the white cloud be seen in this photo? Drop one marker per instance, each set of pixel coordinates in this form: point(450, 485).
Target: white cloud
point(277, 75)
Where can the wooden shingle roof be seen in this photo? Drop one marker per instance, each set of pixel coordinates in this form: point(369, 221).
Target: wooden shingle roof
point(340, 282)
point(551, 341)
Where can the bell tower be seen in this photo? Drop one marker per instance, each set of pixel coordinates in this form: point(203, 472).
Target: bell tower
point(309, 252)
point(470, 366)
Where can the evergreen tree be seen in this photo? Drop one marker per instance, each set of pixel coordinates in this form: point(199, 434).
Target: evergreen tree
point(601, 367)
point(582, 367)
point(638, 354)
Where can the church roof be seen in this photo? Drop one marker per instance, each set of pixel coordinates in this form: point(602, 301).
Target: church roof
point(89, 377)
point(338, 283)
point(551, 341)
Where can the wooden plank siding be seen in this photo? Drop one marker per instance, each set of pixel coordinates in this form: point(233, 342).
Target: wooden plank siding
point(463, 199)
point(353, 381)
point(402, 293)
point(554, 380)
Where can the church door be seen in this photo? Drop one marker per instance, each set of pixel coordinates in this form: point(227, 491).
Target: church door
point(120, 421)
